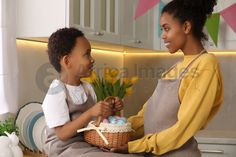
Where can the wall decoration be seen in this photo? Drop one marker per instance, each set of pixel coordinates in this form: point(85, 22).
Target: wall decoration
point(229, 16)
point(212, 23)
point(144, 6)
point(212, 26)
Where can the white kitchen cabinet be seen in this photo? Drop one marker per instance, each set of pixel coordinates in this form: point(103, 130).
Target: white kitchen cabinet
point(109, 21)
point(98, 19)
point(217, 150)
point(142, 32)
point(217, 143)
point(39, 18)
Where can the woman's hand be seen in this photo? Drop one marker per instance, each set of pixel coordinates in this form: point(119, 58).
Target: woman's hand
point(123, 149)
point(118, 104)
point(101, 108)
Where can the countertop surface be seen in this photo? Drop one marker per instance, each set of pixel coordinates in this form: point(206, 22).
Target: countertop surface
point(216, 137)
point(203, 137)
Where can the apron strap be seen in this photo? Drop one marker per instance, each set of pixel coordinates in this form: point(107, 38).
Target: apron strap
point(187, 68)
point(68, 97)
point(172, 67)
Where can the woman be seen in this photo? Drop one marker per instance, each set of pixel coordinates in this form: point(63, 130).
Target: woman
point(182, 103)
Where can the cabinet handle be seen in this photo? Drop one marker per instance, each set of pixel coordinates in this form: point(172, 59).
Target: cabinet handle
point(98, 33)
point(212, 151)
point(137, 41)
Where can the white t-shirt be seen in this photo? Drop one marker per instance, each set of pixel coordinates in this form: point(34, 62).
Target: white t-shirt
point(54, 106)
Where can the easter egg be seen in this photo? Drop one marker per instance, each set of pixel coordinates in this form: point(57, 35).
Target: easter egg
point(111, 118)
point(120, 121)
point(105, 121)
point(117, 117)
point(113, 121)
point(124, 119)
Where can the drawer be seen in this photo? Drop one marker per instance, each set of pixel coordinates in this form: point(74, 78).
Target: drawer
point(217, 150)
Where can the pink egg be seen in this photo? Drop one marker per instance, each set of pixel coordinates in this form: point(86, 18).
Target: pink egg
point(105, 121)
point(117, 117)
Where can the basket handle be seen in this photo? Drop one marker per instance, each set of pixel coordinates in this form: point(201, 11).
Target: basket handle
point(111, 101)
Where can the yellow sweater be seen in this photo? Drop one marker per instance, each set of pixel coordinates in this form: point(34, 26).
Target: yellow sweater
point(200, 94)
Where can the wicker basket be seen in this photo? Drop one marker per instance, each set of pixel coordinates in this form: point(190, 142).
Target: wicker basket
point(107, 135)
point(114, 137)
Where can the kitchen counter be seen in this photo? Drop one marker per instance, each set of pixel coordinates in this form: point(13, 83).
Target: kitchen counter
point(203, 137)
point(216, 137)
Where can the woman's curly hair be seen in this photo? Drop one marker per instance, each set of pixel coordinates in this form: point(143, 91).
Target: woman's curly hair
point(195, 11)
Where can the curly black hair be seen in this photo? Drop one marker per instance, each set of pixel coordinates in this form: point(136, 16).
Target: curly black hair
point(61, 43)
point(195, 11)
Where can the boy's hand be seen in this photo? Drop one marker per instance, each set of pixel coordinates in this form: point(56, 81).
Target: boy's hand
point(101, 108)
point(118, 104)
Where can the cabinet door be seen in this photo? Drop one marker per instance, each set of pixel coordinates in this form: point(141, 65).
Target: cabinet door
point(98, 19)
point(140, 32)
point(217, 150)
point(39, 18)
point(226, 36)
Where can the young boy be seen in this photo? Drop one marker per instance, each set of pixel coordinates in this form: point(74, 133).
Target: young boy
point(71, 103)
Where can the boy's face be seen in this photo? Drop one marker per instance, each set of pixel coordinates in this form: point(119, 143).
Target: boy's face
point(81, 61)
point(173, 32)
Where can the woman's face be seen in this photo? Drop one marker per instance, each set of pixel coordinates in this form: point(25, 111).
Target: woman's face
point(173, 32)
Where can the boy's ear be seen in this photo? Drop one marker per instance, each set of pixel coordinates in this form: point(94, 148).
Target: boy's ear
point(187, 27)
point(65, 62)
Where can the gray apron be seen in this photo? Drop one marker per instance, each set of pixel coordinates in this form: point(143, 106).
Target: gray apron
point(161, 113)
point(76, 146)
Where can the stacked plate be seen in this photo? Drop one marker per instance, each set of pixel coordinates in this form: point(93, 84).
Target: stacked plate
point(31, 123)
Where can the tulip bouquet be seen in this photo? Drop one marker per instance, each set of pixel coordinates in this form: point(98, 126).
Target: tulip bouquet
point(117, 128)
point(111, 84)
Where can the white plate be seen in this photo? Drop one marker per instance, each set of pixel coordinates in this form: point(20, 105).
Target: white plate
point(39, 133)
point(25, 124)
point(23, 112)
point(29, 129)
point(43, 137)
